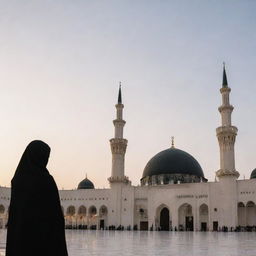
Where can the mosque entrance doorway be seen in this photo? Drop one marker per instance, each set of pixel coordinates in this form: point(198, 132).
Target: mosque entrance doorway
point(164, 219)
point(215, 226)
point(203, 226)
point(102, 225)
point(241, 214)
point(144, 225)
point(186, 219)
point(189, 223)
point(250, 214)
point(103, 215)
point(203, 217)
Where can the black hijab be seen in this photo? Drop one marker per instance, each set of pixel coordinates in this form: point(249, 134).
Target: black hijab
point(36, 222)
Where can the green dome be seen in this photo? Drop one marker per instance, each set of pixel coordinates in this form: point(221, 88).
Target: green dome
point(85, 184)
point(253, 174)
point(173, 161)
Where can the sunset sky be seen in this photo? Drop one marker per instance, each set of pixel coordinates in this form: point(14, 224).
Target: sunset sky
point(61, 62)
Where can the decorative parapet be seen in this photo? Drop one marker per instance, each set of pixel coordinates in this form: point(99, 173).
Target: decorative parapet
point(176, 178)
point(225, 89)
point(123, 179)
point(222, 108)
point(118, 145)
point(226, 129)
point(222, 173)
point(119, 122)
point(119, 105)
point(226, 136)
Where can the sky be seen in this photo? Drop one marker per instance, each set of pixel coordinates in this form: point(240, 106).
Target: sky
point(61, 62)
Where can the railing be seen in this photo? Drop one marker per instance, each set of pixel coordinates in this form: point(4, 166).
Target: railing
point(226, 129)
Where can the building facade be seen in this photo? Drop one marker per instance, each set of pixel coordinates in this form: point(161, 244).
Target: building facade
point(173, 195)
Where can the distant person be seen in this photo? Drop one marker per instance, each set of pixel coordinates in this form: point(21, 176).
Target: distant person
point(36, 223)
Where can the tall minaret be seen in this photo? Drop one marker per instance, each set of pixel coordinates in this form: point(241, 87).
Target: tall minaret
point(226, 134)
point(118, 145)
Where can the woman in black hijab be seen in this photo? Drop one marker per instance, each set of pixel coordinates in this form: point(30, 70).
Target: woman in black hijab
point(36, 222)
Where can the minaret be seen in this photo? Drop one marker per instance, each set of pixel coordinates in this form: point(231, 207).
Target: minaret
point(118, 145)
point(226, 134)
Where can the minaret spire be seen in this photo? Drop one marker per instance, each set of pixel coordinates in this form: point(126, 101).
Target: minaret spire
point(226, 133)
point(224, 78)
point(118, 145)
point(119, 94)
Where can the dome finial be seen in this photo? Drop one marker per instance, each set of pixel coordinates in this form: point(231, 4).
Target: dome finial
point(172, 141)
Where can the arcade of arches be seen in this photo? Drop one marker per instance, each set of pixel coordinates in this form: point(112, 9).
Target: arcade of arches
point(246, 214)
point(83, 218)
point(163, 219)
point(184, 218)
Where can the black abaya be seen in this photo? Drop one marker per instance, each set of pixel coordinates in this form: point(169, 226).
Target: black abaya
point(36, 222)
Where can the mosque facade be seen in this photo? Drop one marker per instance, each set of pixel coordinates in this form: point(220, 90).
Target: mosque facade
point(173, 194)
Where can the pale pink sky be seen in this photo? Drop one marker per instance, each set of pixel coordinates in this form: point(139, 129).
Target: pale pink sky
point(61, 62)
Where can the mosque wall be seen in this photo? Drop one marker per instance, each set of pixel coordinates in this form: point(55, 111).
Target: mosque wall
point(227, 203)
point(224, 195)
point(246, 202)
point(90, 202)
point(177, 198)
point(127, 206)
point(246, 191)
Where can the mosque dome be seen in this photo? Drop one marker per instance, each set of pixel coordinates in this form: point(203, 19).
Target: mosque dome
point(85, 184)
point(172, 166)
point(253, 174)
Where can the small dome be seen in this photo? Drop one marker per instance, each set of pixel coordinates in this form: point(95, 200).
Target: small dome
point(175, 162)
point(253, 174)
point(85, 184)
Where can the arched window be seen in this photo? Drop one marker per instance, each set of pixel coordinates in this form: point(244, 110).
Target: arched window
point(103, 211)
point(92, 211)
point(82, 210)
point(71, 210)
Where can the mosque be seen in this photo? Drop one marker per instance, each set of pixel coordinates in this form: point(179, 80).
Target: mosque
point(173, 193)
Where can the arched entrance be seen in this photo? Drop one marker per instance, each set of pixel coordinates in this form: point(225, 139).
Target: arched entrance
point(250, 214)
point(70, 219)
point(92, 218)
point(81, 215)
point(203, 217)
point(164, 219)
point(241, 214)
point(186, 219)
point(82, 210)
point(71, 210)
point(103, 214)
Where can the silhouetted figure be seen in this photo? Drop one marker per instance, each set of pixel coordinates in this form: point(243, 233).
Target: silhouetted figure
point(36, 222)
